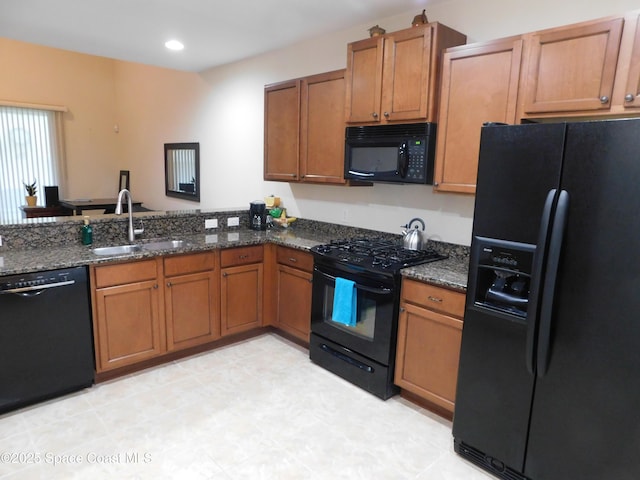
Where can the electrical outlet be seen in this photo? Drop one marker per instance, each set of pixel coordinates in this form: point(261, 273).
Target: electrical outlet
point(233, 221)
point(211, 223)
point(0, 240)
point(345, 215)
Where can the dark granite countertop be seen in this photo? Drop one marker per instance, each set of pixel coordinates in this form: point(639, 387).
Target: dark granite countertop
point(451, 273)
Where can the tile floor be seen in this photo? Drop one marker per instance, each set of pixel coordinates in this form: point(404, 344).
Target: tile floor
point(254, 410)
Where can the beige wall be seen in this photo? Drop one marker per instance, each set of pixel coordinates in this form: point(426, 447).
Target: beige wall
point(222, 108)
point(83, 83)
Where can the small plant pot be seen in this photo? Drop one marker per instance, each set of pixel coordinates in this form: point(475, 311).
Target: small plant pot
point(31, 200)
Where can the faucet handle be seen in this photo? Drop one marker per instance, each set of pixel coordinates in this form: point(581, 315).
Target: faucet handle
point(139, 231)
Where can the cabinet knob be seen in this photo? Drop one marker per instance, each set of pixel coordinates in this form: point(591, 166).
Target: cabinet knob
point(374, 114)
point(155, 286)
point(402, 309)
point(629, 97)
point(224, 274)
point(168, 284)
point(386, 114)
point(434, 299)
point(604, 99)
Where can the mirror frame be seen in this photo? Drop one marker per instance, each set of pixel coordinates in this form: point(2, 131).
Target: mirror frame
point(124, 180)
point(168, 147)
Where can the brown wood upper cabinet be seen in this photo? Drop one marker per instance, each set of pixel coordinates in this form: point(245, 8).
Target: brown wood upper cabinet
point(394, 77)
point(281, 131)
point(583, 69)
point(491, 96)
point(304, 129)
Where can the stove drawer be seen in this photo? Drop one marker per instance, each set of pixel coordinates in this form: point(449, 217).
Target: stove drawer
point(434, 298)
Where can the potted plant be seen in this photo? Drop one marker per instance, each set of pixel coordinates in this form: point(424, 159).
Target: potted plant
point(31, 197)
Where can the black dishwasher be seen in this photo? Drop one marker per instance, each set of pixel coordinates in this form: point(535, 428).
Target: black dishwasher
point(46, 341)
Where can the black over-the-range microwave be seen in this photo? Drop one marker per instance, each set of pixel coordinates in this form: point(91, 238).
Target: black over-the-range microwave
point(390, 153)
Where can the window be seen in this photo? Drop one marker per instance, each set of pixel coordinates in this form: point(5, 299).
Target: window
point(29, 151)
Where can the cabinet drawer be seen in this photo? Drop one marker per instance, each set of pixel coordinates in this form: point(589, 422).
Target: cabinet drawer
point(434, 298)
point(192, 263)
point(241, 256)
point(295, 258)
point(122, 273)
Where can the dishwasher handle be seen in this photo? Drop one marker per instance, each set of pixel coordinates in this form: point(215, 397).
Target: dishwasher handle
point(33, 290)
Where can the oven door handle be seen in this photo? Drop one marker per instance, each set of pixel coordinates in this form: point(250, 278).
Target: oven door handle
point(378, 291)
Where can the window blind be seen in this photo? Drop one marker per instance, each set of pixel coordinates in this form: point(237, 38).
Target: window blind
point(29, 152)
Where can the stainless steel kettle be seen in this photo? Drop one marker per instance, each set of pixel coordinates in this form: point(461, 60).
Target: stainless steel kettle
point(412, 236)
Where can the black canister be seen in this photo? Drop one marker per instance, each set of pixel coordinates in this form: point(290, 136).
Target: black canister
point(258, 215)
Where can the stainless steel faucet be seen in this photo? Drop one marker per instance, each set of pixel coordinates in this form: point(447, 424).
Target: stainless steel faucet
point(132, 231)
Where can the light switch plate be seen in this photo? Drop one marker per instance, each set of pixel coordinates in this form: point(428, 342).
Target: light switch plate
point(233, 221)
point(211, 223)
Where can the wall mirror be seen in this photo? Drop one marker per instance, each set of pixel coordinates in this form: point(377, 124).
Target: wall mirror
point(182, 170)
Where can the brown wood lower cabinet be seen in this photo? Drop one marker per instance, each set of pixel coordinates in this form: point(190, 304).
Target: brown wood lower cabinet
point(293, 290)
point(429, 336)
point(241, 289)
point(127, 318)
point(192, 306)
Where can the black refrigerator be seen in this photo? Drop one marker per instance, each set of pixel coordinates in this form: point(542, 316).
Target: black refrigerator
point(549, 378)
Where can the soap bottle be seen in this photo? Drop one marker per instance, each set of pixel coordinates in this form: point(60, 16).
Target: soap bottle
point(87, 232)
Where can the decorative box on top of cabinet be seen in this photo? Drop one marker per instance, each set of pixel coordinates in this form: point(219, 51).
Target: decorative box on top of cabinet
point(466, 105)
point(394, 77)
point(304, 129)
point(589, 68)
point(429, 338)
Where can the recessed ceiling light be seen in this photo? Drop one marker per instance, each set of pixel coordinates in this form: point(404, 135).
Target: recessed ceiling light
point(174, 45)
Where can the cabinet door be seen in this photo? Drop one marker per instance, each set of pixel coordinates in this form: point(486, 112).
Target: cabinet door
point(465, 106)
point(192, 309)
point(427, 355)
point(281, 130)
point(241, 298)
point(129, 324)
point(294, 301)
point(322, 128)
point(364, 80)
point(405, 82)
point(572, 69)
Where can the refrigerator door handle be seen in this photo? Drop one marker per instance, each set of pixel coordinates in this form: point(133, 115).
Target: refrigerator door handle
point(537, 275)
point(548, 292)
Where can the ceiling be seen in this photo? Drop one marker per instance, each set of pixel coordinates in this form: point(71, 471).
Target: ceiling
point(214, 32)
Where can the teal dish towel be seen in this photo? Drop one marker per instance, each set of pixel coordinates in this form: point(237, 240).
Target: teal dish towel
point(344, 302)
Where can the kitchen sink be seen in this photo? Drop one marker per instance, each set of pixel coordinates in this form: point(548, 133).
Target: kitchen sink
point(164, 245)
point(117, 250)
point(151, 246)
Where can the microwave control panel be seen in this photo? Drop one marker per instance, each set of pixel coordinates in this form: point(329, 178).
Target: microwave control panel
point(416, 158)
